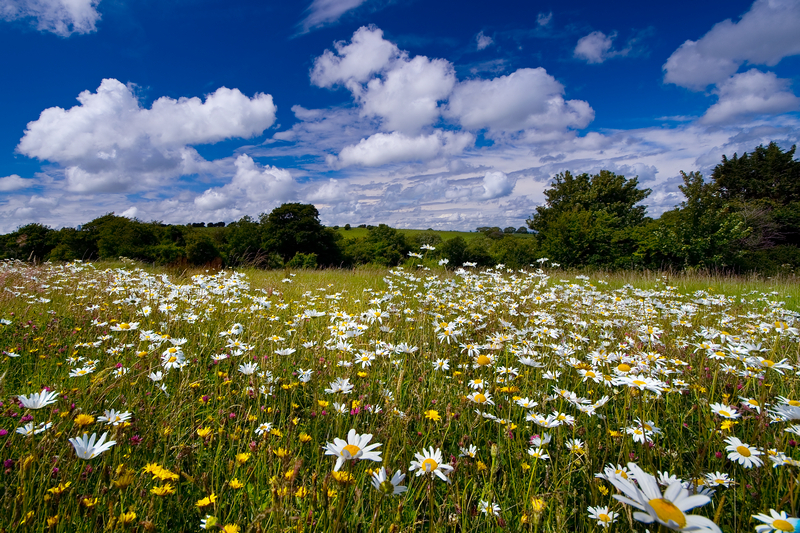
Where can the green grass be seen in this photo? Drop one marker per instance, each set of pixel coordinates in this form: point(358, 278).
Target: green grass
point(200, 430)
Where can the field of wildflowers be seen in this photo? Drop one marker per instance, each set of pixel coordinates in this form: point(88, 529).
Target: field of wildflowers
point(399, 400)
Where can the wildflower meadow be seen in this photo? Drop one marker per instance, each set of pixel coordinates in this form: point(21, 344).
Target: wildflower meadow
point(449, 399)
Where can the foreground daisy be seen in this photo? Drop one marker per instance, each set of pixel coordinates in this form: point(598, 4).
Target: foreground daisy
point(354, 448)
point(668, 509)
point(37, 400)
point(777, 522)
point(89, 447)
point(430, 462)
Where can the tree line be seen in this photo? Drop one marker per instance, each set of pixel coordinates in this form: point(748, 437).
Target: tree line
point(746, 217)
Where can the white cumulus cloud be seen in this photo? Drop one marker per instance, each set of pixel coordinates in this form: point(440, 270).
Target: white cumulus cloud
point(252, 184)
point(385, 148)
point(62, 17)
point(14, 183)
point(764, 35)
point(525, 99)
point(402, 92)
point(110, 143)
point(751, 93)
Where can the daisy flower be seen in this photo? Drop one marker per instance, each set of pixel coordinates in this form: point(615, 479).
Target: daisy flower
point(89, 447)
point(472, 451)
point(391, 487)
point(489, 508)
point(479, 397)
point(430, 462)
point(354, 448)
point(778, 522)
point(114, 418)
point(37, 400)
point(724, 410)
point(742, 453)
point(668, 509)
point(603, 516)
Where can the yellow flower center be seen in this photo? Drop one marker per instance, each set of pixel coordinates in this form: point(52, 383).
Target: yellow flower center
point(725, 413)
point(480, 398)
point(794, 403)
point(352, 449)
point(639, 382)
point(124, 325)
point(666, 511)
point(744, 451)
point(624, 368)
point(782, 525)
point(604, 517)
point(429, 465)
point(768, 362)
point(590, 374)
point(483, 360)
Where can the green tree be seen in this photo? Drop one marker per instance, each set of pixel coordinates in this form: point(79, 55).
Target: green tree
point(764, 186)
point(242, 243)
point(31, 242)
point(590, 220)
point(295, 228)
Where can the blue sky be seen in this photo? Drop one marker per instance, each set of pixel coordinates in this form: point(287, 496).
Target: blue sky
point(444, 114)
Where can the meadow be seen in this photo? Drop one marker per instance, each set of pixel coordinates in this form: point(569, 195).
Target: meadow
point(135, 398)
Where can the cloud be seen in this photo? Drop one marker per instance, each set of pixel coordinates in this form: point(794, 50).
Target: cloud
point(325, 12)
point(483, 41)
point(764, 35)
point(252, 184)
point(525, 99)
point(62, 17)
point(595, 47)
point(543, 19)
point(14, 183)
point(384, 148)
point(751, 93)
point(354, 63)
point(405, 94)
point(109, 143)
point(497, 185)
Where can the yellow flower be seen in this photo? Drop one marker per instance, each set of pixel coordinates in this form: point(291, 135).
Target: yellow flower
point(276, 432)
point(205, 502)
point(281, 452)
point(52, 521)
point(124, 480)
point(433, 415)
point(163, 490)
point(89, 502)
point(252, 418)
point(304, 437)
point(614, 433)
point(302, 492)
point(83, 420)
point(204, 432)
point(362, 374)
point(27, 462)
point(525, 466)
point(332, 493)
point(603, 490)
point(230, 528)
point(323, 403)
point(167, 431)
point(538, 505)
point(481, 466)
point(235, 484)
point(127, 518)
point(60, 488)
point(343, 477)
point(241, 458)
